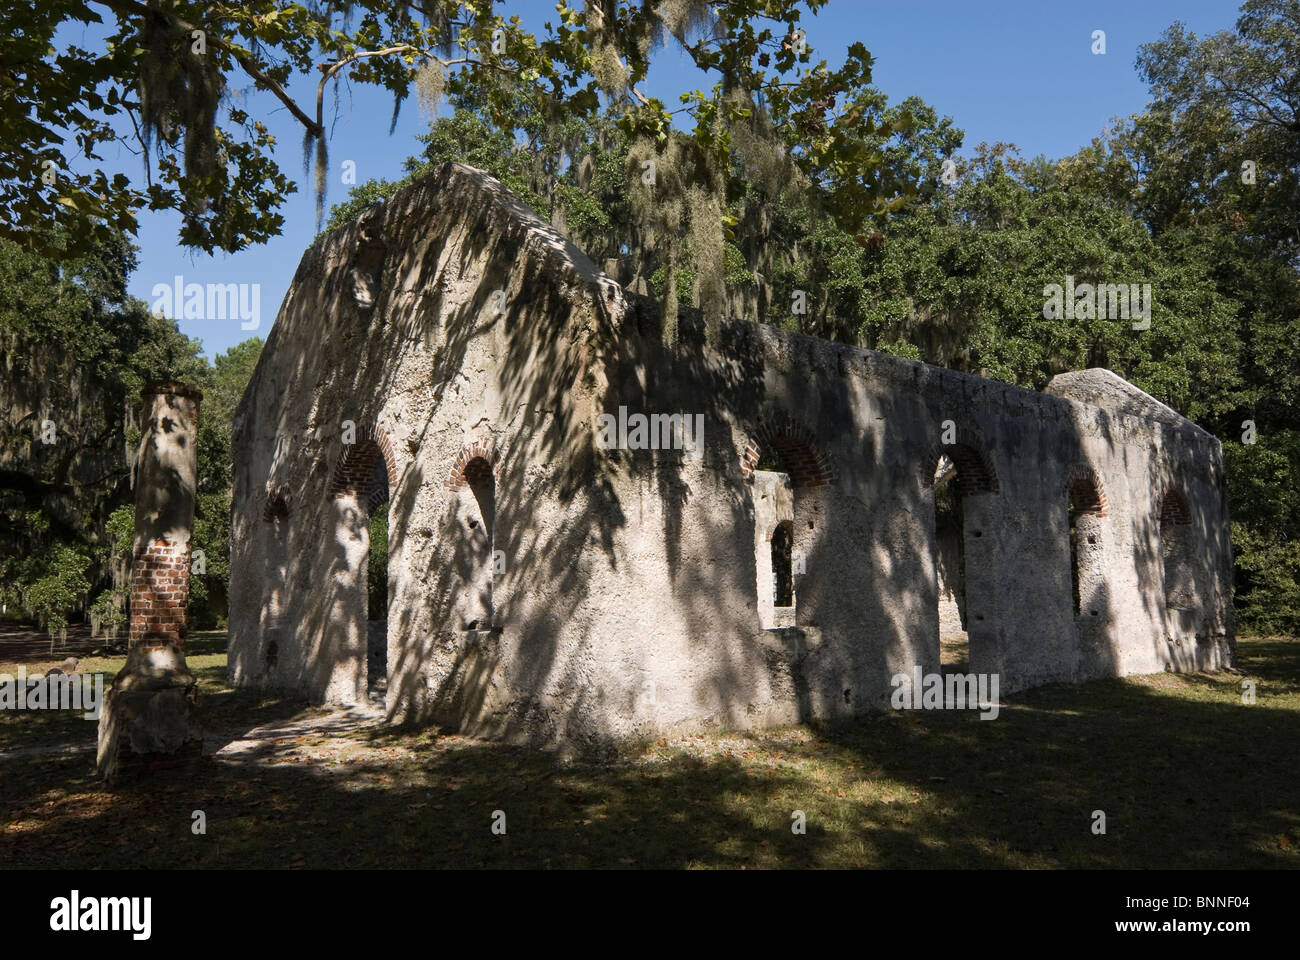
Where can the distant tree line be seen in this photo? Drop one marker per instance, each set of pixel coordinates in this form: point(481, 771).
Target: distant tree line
point(76, 350)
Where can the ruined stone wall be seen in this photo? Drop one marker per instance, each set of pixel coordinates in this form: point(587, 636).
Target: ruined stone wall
point(543, 589)
point(868, 605)
point(393, 327)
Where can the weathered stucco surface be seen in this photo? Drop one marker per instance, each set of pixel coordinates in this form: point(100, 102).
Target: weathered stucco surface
point(449, 353)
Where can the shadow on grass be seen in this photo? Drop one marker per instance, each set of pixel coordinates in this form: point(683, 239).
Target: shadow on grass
point(205, 642)
point(1186, 775)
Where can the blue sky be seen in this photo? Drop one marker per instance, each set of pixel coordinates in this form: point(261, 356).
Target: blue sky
point(1019, 71)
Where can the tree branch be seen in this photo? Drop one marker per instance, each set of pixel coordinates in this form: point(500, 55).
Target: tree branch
point(127, 7)
point(148, 174)
point(328, 71)
point(1244, 94)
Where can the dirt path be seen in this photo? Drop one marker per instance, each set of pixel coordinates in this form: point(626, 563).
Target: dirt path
point(280, 741)
point(23, 643)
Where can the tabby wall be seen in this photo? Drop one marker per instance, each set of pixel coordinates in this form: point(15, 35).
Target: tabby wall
point(448, 358)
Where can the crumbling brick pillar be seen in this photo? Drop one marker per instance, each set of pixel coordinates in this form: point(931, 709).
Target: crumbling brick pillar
point(165, 484)
point(147, 719)
point(160, 589)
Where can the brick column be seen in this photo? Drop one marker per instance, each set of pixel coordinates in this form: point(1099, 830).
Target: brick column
point(147, 719)
point(166, 477)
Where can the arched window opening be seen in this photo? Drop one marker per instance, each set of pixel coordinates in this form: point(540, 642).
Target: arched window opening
point(377, 584)
point(962, 550)
point(1177, 552)
point(782, 571)
point(1086, 508)
point(950, 567)
point(784, 465)
point(362, 488)
point(1074, 559)
point(478, 496)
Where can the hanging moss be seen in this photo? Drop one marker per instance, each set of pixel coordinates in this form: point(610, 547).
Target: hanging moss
point(608, 69)
point(430, 82)
point(757, 148)
point(688, 19)
point(681, 205)
point(322, 171)
point(707, 242)
point(180, 91)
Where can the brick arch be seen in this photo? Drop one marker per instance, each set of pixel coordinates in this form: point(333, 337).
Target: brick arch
point(1086, 491)
point(473, 463)
point(358, 469)
point(795, 445)
point(1173, 508)
point(975, 473)
point(783, 521)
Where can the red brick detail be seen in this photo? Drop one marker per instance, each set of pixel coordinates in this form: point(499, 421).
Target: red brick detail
point(474, 462)
point(794, 445)
point(787, 523)
point(975, 473)
point(355, 473)
point(1087, 495)
point(160, 589)
point(1173, 508)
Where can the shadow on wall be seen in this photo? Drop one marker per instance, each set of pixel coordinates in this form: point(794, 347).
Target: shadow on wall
point(540, 321)
point(559, 358)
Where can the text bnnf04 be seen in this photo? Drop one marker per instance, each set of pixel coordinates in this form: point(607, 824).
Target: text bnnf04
point(77, 913)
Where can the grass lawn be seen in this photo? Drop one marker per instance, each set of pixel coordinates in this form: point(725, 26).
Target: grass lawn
point(1188, 777)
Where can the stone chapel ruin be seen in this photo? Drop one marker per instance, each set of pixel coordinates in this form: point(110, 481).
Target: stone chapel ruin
point(447, 357)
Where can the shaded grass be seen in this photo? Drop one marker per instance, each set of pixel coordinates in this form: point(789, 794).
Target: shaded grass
point(1186, 774)
point(206, 657)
